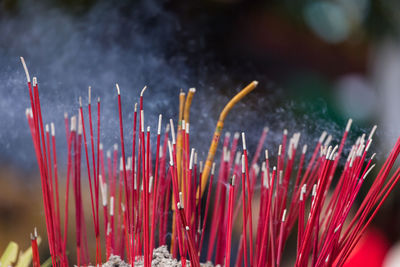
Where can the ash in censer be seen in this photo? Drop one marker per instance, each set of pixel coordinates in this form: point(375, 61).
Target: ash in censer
point(149, 189)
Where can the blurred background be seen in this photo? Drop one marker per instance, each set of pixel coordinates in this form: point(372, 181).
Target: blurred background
point(319, 62)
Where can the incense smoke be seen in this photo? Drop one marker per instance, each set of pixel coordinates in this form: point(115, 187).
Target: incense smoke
point(132, 44)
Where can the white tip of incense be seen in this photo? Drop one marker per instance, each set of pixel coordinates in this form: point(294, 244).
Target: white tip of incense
point(256, 168)
point(181, 198)
point(236, 135)
point(171, 122)
point(244, 141)
point(121, 164)
point(226, 154)
point(201, 165)
point(193, 90)
point(373, 156)
point(148, 128)
point(135, 108)
point(191, 159)
point(266, 153)
point(171, 159)
point(348, 125)
point(187, 128)
point(111, 206)
point(35, 232)
point(284, 215)
point(280, 177)
point(372, 132)
point(369, 170)
point(53, 129)
point(255, 83)
point(73, 124)
point(195, 158)
point(187, 228)
point(80, 101)
point(183, 125)
point(333, 152)
point(122, 207)
point(108, 154)
point(65, 115)
point(243, 165)
point(274, 168)
point(280, 150)
point(103, 189)
point(144, 89)
point(285, 132)
point(101, 146)
point(237, 157)
point(159, 124)
point(98, 99)
point(27, 113)
point(150, 183)
point(329, 152)
point(115, 147)
point(322, 137)
point(314, 190)
point(227, 135)
point(304, 149)
point(47, 128)
point(118, 90)
point(233, 180)
point(28, 78)
point(34, 81)
point(89, 95)
point(142, 120)
point(213, 168)
point(265, 129)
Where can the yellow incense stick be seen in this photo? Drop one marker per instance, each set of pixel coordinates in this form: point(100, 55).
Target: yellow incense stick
point(218, 130)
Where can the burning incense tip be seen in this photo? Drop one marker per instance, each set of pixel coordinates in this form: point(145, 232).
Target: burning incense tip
point(187, 128)
point(73, 124)
point(89, 95)
point(115, 147)
point(118, 90)
point(171, 159)
point(266, 153)
point(244, 141)
point(233, 180)
point(143, 90)
point(304, 149)
point(159, 124)
point(348, 125)
point(368, 171)
point(213, 168)
point(243, 165)
point(80, 101)
point(193, 90)
point(171, 122)
point(135, 108)
point(65, 115)
point(34, 81)
point(53, 130)
point(142, 120)
point(28, 78)
point(98, 99)
point(47, 128)
point(191, 159)
point(284, 215)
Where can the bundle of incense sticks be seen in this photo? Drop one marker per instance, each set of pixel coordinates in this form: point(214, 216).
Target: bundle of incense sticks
point(140, 186)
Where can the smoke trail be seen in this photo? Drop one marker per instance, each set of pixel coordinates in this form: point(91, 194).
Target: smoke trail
point(129, 44)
